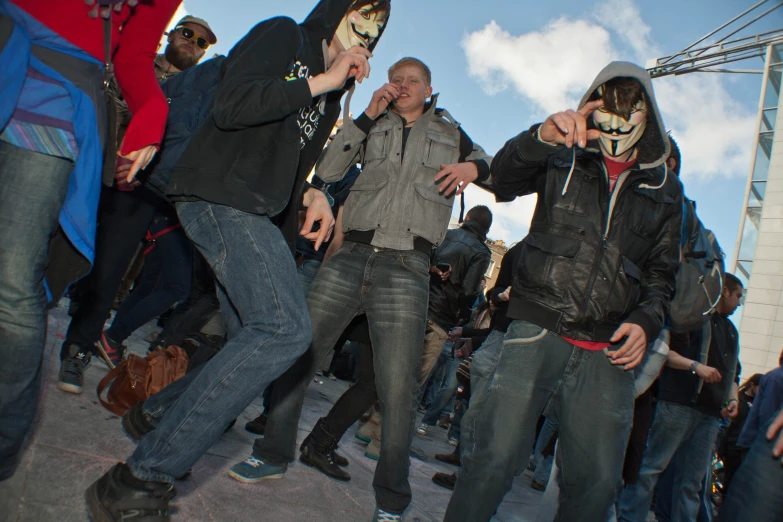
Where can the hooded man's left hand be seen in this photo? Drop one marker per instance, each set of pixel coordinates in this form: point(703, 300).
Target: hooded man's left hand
point(456, 177)
point(318, 209)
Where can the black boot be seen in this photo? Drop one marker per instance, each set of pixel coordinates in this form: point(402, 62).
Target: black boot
point(338, 459)
point(119, 496)
point(257, 425)
point(318, 452)
point(136, 424)
point(445, 480)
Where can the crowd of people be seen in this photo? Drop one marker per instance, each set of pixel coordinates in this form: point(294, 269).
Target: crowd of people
point(219, 193)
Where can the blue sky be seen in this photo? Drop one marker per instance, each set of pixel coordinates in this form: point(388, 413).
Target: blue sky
point(502, 65)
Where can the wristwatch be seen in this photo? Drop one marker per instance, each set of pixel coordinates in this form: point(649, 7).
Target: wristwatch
point(694, 365)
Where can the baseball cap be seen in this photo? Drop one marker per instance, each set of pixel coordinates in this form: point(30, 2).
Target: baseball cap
point(198, 21)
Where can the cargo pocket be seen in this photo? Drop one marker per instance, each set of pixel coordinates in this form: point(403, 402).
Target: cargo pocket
point(377, 146)
point(430, 214)
point(440, 149)
point(365, 207)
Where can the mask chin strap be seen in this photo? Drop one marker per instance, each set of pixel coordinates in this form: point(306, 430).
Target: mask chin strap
point(570, 172)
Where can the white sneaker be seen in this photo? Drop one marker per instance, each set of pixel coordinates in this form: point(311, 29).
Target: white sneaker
point(422, 429)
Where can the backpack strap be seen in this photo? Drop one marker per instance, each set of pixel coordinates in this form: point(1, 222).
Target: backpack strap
point(105, 382)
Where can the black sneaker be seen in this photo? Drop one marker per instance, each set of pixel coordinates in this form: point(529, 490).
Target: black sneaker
point(119, 496)
point(71, 378)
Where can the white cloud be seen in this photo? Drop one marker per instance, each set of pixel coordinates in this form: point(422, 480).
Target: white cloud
point(713, 129)
point(544, 66)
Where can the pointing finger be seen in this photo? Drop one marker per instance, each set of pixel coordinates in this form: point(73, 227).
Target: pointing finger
point(589, 107)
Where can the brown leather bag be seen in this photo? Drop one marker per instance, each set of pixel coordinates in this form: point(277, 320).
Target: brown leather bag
point(137, 378)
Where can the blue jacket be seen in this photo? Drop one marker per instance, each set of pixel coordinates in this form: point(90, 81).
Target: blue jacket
point(77, 219)
point(189, 94)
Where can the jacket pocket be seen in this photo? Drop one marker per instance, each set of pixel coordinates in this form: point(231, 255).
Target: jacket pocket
point(440, 149)
point(430, 214)
point(626, 290)
point(365, 207)
point(546, 263)
point(377, 145)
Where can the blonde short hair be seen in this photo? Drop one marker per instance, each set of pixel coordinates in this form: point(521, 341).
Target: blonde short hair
point(416, 63)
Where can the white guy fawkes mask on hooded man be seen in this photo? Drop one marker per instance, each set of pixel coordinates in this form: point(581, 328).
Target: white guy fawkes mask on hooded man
point(619, 135)
point(360, 27)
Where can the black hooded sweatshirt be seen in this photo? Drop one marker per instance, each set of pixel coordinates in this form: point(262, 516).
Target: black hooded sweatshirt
point(250, 153)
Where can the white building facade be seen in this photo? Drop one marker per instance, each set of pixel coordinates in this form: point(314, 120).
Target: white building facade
point(758, 258)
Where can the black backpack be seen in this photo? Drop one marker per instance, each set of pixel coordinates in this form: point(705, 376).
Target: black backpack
point(699, 282)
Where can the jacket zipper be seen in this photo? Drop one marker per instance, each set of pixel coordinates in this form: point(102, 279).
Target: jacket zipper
point(609, 211)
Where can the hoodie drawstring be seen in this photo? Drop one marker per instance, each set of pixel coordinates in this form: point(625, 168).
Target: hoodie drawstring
point(570, 172)
point(665, 177)
point(322, 98)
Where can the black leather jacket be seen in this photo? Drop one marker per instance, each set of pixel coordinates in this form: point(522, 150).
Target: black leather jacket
point(592, 259)
point(463, 249)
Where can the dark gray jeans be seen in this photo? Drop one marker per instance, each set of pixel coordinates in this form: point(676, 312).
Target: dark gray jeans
point(540, 373)
point(391, 287)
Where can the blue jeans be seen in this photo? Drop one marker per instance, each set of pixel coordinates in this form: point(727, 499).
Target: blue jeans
point(482, 368)
point(544, 464)
point(307, 272)
point(755, 493)
point(676, 428)
point(267, 325)
point(448, 387)
point(592, 400)
point(391, 287)
point(32, 191)
point(163, 282)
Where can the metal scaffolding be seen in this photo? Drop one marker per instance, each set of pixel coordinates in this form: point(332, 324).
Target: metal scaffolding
point(702, 57)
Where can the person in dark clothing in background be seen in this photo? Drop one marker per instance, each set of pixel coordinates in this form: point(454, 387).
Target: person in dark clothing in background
point(124, 216)
point(164, 281)
point(730, 450)
point(189, 317)
point(466, 257)
point(487, 350)
point(272, 113)
point(692, 397)
point(756, 494)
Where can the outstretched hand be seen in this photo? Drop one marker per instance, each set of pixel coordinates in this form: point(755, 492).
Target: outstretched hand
point(570, 127)
point(455, 178)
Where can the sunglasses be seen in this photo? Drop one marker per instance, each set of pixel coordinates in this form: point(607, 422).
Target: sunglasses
point(188, 34)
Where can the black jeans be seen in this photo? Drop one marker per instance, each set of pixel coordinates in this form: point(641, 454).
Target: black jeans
point(190, 316)
point(123, 220)
point(164, 281)
point(357, 399)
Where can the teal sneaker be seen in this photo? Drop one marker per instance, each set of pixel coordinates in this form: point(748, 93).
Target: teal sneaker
point(385, 516)
point(255, 470)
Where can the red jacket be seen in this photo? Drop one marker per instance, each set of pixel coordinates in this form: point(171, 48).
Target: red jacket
point(133, 54)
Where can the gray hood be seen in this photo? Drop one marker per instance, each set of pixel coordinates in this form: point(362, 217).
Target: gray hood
point(653, 146)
